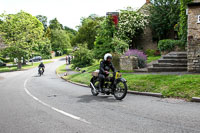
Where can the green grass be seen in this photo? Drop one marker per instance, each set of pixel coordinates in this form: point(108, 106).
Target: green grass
point(177, 86)
point(83, 78)
point(70, 50)
point(57, 57)
point(126, 71)
point(91, 68)
point(61, 69)
point(28, 66)
point(152, 58)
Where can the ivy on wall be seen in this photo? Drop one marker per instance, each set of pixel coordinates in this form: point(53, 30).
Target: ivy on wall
point(183, 20)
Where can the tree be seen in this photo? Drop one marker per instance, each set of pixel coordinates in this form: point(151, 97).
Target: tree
point(183, 20)
point(20, 32)
point(131, 24)
point(43, 20)
point(87, 31)
point(82, 57)
point(70, 30)
point(164, 16)
point(54, 24)
point(60, 40)
point(104, 37)
point(44, 47)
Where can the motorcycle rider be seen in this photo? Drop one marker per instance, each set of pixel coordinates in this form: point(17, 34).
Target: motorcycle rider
point(41, 65)
point(105, 67)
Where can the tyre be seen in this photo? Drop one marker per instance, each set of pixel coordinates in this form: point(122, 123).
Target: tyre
point(96, 85)
point(40, 72)
point(120, 90)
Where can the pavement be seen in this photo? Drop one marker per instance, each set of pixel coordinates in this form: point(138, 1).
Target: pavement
point(48, 104)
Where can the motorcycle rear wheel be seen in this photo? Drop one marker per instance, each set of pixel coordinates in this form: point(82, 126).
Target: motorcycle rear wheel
point(120, 90)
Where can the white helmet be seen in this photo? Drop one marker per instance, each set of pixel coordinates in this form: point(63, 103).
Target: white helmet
point(107, 55)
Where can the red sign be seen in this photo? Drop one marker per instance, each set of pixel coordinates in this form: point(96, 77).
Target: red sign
point(115, 17)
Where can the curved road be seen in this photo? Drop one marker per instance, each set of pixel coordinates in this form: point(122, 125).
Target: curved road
point(48, 104)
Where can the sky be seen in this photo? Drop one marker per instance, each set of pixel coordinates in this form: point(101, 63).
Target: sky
point(68, 12)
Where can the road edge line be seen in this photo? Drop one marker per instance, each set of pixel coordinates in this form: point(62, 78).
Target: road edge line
point(53, 108)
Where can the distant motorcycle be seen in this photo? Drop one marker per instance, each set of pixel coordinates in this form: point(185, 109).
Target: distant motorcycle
point(40, 71)
point(115, 85)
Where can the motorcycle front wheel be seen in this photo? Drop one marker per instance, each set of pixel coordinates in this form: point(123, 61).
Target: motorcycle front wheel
point(95, 84)
point(120, 90)
point(40, 73)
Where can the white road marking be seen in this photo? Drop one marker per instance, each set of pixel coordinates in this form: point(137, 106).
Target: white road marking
point(53, 108)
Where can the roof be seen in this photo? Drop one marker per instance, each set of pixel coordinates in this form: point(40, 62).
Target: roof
point(195, 3)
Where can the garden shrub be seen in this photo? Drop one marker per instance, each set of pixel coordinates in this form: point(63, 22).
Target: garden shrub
point(5, 60)
point(142, 58)
point(116, 60)
point(150, 52)
point(120, 45)
point(82, 57)
point(102, 44)
point(169, 45)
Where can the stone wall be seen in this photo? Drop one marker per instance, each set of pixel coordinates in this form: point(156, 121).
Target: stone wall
point(128, 63)
point(144, 41)
point(193, 48)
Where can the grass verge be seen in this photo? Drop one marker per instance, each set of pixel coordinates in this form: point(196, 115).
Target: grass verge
point(28, 66)
point(176, 86)
point(152, 58)
point(57, 57)
point(61, 69)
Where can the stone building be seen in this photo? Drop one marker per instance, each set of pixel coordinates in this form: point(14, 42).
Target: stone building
point(145, 41)
point(193, 47)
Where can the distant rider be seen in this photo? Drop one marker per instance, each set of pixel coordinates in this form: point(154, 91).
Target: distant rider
point(105, 67)
point(41, 65)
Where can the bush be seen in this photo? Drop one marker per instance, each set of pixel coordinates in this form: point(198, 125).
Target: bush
point(5, 60)
point(82, 58)
point(169, 45)
point(102, 44)
point(150, 52)
point(116, 60)
point(140, 55)
point(120, 45)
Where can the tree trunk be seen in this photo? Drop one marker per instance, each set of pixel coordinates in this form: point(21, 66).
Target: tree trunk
point(24, 61)
point(19, 63)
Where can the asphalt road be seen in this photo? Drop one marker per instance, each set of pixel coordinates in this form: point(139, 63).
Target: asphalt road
point(48, 104)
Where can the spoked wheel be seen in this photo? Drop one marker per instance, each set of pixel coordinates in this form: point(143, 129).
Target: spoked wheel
point(121, 90)
point(96, 85)
point(40, 72)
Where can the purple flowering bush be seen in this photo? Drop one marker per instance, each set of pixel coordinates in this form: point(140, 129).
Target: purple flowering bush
point(140, 55)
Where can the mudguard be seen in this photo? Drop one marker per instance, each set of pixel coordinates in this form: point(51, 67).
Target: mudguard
point(92, 79)
point(122, 80)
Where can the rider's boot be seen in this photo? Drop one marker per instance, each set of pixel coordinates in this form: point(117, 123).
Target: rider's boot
point(101, 88)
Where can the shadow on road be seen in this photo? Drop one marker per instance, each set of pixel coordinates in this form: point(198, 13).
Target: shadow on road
point(61, 59)
point(100, 98)
point(36, 76)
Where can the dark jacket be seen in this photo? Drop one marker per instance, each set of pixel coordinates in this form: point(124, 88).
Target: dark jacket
point(106, 66)
point(41, 65)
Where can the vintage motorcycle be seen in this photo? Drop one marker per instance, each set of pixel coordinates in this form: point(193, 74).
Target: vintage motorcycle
point(40, 71)
point(115, 85)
